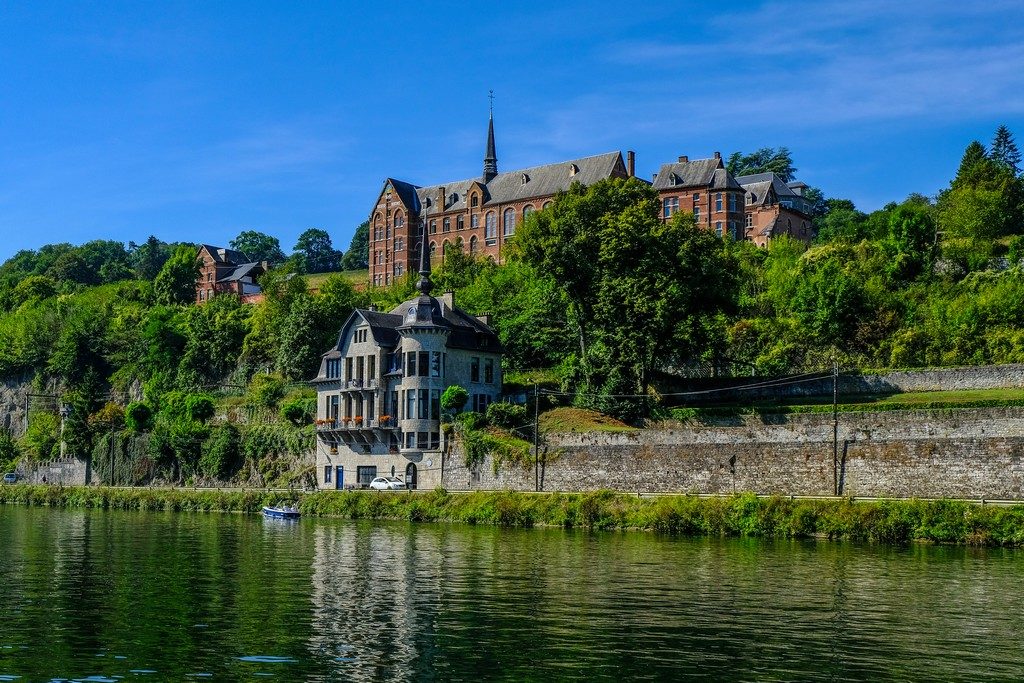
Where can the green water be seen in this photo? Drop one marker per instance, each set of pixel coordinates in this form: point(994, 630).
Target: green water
point(151, 596)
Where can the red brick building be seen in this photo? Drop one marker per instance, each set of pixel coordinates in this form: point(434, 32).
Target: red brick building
point(477, 215)
point(775, 208)
point(705, 188)
point(227, 271)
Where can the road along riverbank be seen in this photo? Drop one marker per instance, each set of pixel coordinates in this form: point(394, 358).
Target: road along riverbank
point(882, 521)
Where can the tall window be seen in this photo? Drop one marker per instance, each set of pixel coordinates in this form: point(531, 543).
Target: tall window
point(399, 244)
point(473, 244)
point(446, 225)
point(696, 198)
point(433, 227)
point(671, 205)
point(489, 370)
point(433, 250)
point(732, 202)
point(410, 364)
point(435, 363)
point(474, 220)
point(718, 201)
point(527, 210)
point(696, 213)
point(749, 221)
point(508, 222)
point(460, 223)
point(491, 225)
point(399, 219)
point(474, 369)
point(718, 228)
point(546, 204)
point(476, 200)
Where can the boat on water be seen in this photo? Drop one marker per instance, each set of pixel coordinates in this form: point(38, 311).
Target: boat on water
point(281, 512)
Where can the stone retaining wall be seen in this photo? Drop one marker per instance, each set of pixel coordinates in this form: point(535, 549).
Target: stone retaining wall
point(958, 453)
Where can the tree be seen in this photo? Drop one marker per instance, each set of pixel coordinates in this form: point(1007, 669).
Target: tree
point(358, 255)
point(1004, 150)
point(258, 246)
point(176, 282)
point(32, 289)
point(911, 236)
point(314, 247)
point(765, 160)
point(973, 165)
point(149, 257)
point(454, 399)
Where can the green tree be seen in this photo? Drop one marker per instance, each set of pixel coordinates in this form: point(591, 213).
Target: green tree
point(358, 254)
point(775, 160)
point(222, 454)
point(454, 399)
point(974, 157)
point(828, 299)
point(911, 236)
point(176, 282)
point(33, 288)
point(149, 257)
point(258, 246)
point(1004, 150)
point(315, 249)
point(10, 452)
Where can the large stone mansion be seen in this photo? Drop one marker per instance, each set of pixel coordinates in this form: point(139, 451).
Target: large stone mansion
point(480, 214)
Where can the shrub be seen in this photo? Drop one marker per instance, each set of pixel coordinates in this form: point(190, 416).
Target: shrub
point(221, 456)
point(42, 438)
point(507, 415)
point(454, 399)
point(299, 411)
point(266, 390)
point(10, 454)
point(138, 416)
point(199, 407)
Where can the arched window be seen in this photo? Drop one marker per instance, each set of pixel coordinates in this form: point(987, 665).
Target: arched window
point(508, 222)
point(546, 204)
point(202, 294)
point(491, 225)
point(399, 219)
point(475, 202)
point(446, 247)
point(527, 210)
point(433, 250)
point(473, 244)
point(460, 223)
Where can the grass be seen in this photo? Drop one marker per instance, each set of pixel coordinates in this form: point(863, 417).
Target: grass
point(580, 420)
point(918, 400)
point(887, 521)
point(357, 278)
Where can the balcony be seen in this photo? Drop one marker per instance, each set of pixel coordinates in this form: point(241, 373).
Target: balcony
point(360, 384)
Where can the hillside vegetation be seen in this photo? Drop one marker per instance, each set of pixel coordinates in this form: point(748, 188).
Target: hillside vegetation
point(597, 296)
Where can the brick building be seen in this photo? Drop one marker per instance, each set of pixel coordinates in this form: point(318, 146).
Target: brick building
point(705, 188)
point(228, 271)
point(477, 215)
point(775, 208)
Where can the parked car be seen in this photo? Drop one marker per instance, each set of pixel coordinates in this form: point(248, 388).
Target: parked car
point(387, 484)
point(11, 478)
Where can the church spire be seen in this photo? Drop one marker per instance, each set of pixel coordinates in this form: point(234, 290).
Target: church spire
point(491, 158)
point(424, 285)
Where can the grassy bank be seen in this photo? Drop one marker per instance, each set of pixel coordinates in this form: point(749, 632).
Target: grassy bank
point(896, 521)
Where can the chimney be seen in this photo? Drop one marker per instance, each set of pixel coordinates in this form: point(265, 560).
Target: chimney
point(631, 163)
point(448, 298)
point(654, 176)
point(373, 307)
point(683, 159)
point(485, 318)
point(441, 199)
point(718, 155)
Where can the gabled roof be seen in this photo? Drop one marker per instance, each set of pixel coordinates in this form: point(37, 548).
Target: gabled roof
point(519, 185)
point(710, 173)
point(759, 183)
point(225, 256)
point(406, 193)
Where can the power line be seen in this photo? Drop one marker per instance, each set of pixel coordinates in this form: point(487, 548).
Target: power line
point(780, 382)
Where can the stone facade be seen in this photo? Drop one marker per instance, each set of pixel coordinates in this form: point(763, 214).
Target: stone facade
point(970, 453)
point(379, 389)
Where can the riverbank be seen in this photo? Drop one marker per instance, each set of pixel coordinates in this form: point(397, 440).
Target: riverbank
point(888, 521)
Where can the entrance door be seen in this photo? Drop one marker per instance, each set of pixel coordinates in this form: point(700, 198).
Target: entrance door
point(339, 477)
point(410, 475)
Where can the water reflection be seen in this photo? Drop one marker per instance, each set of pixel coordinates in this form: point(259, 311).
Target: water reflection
point(170, 596)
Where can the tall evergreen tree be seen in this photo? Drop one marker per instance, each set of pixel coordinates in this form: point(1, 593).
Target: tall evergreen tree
point(974, 157)
point(1004, 150)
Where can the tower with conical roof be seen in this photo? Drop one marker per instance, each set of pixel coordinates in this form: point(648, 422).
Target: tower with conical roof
point(491, 157)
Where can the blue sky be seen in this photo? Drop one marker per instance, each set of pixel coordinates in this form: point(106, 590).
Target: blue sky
point(194, 121)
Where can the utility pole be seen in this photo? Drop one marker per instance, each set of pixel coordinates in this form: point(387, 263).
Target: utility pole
point(835, 427)
point(536, 434)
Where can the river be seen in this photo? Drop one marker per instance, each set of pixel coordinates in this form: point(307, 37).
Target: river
point(112, 596)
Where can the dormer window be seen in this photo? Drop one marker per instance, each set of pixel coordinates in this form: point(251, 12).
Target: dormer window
point(573, 170)
point(475, 199)
point(525, 179)
point(429, 202)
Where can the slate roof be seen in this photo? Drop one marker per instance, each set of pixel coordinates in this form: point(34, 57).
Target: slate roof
point(541, 181)
point(759, 183)
point(226, 256)
point(710, 173)
point(242, 271)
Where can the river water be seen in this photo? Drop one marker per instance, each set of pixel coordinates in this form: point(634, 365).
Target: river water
point(112, 596)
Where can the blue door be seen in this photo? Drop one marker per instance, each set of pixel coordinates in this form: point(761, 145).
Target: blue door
point(339, 478)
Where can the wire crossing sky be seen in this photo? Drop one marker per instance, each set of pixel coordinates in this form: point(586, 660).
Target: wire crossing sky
point(194, 121)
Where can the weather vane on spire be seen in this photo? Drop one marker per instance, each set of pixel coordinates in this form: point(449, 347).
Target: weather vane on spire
point(490, 96)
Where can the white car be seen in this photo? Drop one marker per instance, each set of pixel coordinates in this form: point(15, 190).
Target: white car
point(387, 484)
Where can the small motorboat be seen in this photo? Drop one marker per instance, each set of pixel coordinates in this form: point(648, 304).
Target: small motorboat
point(281, 512)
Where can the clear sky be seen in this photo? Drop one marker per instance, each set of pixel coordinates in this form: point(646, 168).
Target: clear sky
point(194, 121)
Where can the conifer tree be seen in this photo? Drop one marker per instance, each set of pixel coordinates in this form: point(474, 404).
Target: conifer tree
point(974, 155)
point(1004, 150)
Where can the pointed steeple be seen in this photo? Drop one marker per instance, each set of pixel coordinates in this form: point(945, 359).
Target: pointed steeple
point(424, 285)
point(491, 158)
